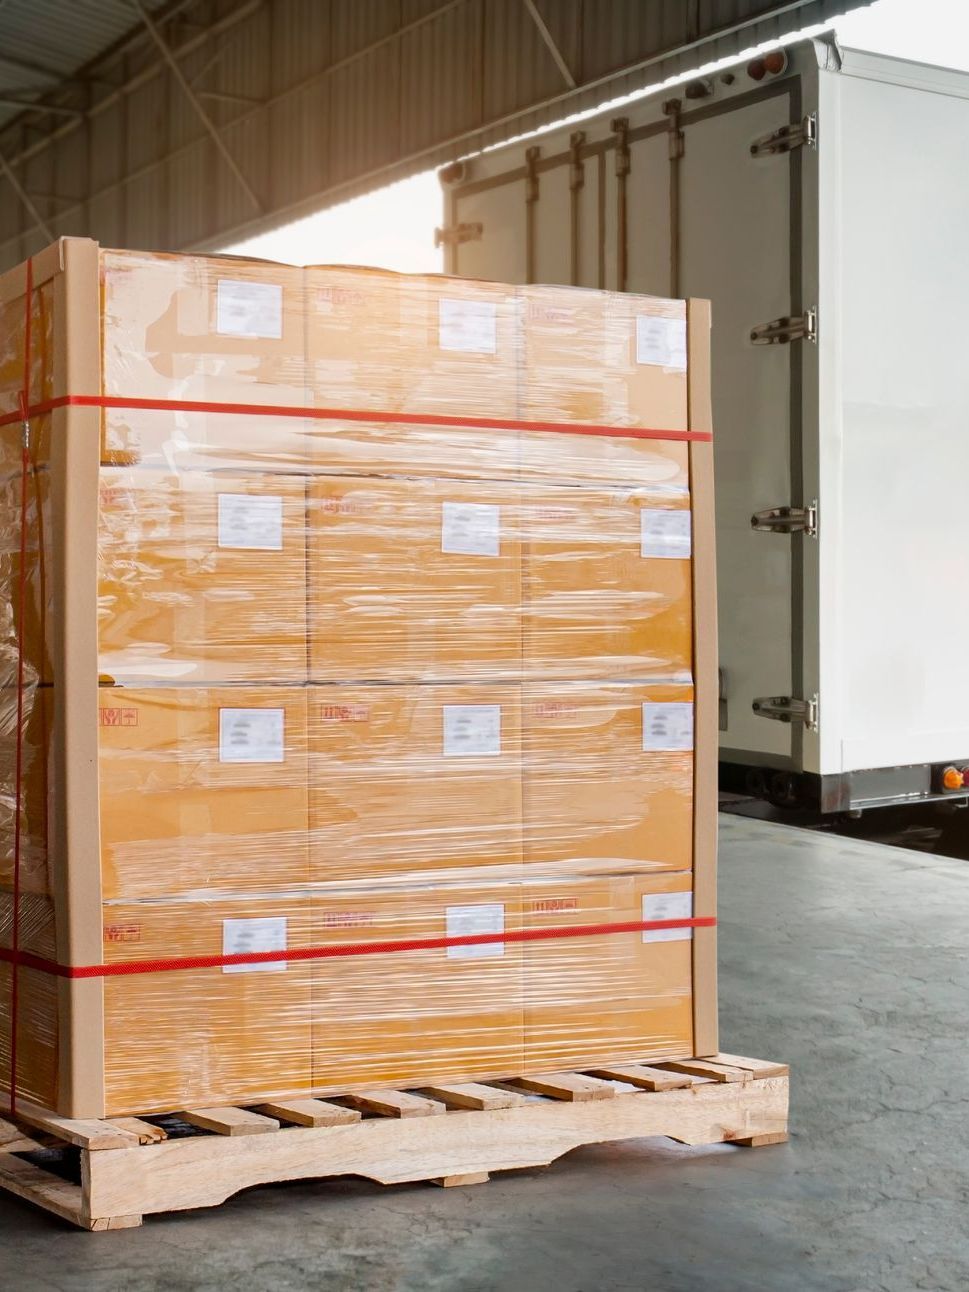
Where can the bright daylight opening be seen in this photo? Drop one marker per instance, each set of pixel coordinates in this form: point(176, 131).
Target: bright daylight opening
point(393, 227)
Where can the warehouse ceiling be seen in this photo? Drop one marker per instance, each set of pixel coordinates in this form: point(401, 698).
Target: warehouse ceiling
point(45, 43)
point(181, 123)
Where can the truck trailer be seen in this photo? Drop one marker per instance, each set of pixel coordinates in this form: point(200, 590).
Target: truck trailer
point(820, 198)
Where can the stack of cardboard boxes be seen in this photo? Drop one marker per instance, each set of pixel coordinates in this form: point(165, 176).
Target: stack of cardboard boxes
point(362, 679)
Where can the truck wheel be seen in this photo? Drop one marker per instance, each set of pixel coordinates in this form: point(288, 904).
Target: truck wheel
point(953, 840)
point(755, 783)
point(783, 790)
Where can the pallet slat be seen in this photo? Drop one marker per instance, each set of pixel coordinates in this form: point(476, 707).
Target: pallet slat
point(758, 1141)
point(83, 1133)
point(646, 1078)
point(309, 1112)
point(230, 1121)
point(147, 1132)
point(30, 1182)
point(452, 1181)
point(469, 1094)
point(706, 1068)
point(759, 1067)
point(395, 1103)
point(15, 1140)
point(566, 1085)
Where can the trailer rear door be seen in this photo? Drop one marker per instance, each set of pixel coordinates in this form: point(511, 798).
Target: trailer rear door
point(672, 202)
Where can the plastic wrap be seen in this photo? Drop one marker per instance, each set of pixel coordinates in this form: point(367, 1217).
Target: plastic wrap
point(394, 698)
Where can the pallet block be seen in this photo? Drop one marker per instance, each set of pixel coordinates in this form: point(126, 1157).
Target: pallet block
point(131, 1167)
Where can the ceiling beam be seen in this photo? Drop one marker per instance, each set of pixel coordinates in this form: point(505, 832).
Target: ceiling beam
point(223, 96)
point(31, 105)
point(549, 40)
point(197, 104)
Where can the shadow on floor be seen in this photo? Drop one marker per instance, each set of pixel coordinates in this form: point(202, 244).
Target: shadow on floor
point(922, 828)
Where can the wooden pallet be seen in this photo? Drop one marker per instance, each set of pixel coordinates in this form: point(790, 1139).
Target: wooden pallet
point(127, 1167)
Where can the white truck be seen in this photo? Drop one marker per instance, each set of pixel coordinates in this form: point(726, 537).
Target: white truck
point(820, 198)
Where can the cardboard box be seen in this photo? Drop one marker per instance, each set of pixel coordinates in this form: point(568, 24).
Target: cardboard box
point(14, 377)
point(37, 1038)
point(607, 997)
point(34, 798)
point(608, 774)
point(409, 344)
point(183, 1038)
point(357, 349)
point(202, 789)
point(203, 329)
point(410, 1017)
point(413, 579)
point(201, 577)
point(38, 585)
point(37, 995)
point(408, 781)
point(37, 495)
point(605, 359)
point(607, 583)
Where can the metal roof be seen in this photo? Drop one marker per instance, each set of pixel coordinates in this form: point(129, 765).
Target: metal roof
point(46, 43)
point(175, 124)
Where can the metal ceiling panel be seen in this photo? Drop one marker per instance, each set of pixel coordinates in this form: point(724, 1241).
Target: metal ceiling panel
point(276, 108)
point(44, 43)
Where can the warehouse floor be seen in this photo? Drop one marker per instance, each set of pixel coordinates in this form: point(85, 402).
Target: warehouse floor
point(848, 959)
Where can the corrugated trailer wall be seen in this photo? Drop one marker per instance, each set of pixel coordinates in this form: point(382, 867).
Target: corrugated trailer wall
point(314, 102)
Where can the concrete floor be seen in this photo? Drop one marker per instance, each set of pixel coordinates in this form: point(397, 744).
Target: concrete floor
point(847, 959)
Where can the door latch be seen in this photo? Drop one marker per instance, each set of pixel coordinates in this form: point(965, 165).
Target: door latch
point(787, 520)
point(802, 327)
point(787, 138)
point(453, 235)
point(788, 708)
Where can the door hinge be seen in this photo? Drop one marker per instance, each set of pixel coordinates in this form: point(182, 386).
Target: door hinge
point(787, 138)
point(453, 235)
point(676, 141)
point(620, 128)
point(788, 708)
point(576, 167)
point(531, 173)
point(787, 520)
point(803, 327)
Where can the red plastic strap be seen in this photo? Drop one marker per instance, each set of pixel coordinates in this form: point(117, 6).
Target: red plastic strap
point(123, 968)
point(352, 415)
point(19, 755)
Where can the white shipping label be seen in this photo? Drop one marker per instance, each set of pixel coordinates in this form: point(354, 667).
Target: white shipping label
point(470, 528)
point(470, 327)
point(661, 342)
point(252, 736)
point(665, 534)
point(472, 730)
point(667, 906)
point(471, 921)
point(266, 933)
point(249, 309)
point(251, 521)
point(667, 725)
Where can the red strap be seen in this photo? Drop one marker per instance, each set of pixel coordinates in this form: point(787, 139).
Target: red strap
point(124, 968)
point(351, 415)
point(19, 755)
